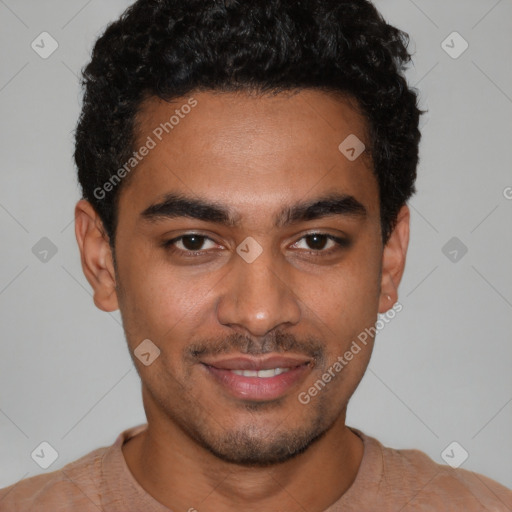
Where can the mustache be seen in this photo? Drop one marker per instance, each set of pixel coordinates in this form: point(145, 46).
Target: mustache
point(275, 341)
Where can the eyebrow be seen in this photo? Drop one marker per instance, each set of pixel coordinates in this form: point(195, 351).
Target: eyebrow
point(178, 205)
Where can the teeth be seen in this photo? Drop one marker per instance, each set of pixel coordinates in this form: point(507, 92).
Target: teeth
point(263, 374)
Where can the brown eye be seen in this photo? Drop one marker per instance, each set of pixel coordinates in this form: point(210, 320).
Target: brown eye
point(317, 242)
point(192, 243)
point(321, 243)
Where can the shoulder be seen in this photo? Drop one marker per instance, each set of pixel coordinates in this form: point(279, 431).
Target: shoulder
point(75, 485)
point(410, 477)
point(426, 482)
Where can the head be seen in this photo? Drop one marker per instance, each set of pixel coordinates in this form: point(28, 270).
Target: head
point(245, 168)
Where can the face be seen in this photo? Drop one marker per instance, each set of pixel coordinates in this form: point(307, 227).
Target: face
point(247, 242)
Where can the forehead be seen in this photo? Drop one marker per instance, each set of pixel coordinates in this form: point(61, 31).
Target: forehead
point(253, 153)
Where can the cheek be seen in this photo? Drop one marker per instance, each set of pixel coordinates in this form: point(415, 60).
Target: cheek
point(347, 298)
point(163, 305)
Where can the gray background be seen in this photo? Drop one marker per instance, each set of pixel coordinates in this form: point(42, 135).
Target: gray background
point(441, 370)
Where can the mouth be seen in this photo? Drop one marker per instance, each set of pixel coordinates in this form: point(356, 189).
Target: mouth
point(259, 379)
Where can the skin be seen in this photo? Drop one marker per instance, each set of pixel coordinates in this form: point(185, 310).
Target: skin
point(203, 448)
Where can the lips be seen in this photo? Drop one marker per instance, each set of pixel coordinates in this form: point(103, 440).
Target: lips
point(258, 379)
point(257, 364)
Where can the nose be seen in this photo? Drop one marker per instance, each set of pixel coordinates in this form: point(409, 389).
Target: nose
point(257, 298)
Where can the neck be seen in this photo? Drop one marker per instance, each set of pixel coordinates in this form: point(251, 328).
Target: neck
point(182, 475)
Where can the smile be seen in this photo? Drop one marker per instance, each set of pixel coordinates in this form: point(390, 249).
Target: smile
point(258, 379)
point(262, 374)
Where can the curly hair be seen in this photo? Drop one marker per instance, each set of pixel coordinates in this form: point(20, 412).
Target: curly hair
point(169, 48)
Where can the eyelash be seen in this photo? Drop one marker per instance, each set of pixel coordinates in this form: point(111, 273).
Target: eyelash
point(341, 243)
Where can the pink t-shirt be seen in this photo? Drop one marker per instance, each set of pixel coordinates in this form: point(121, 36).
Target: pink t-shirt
point(387, 480)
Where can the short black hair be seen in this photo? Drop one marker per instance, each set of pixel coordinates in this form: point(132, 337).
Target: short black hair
point(170, 48)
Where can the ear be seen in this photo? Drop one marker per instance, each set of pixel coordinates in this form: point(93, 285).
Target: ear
point(96, 256)
point(393, 260)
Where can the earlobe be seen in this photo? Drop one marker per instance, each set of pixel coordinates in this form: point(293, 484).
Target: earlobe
point(96, 256)
point(393, 260)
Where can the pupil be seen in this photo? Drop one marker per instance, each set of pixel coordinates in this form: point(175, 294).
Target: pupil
point(192, 243)
point(317, 241)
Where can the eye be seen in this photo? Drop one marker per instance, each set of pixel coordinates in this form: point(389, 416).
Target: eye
point(194, 244)
point(321, 243)
point(190, 244)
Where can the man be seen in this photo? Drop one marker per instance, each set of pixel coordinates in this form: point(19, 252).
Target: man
point(245, 169)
